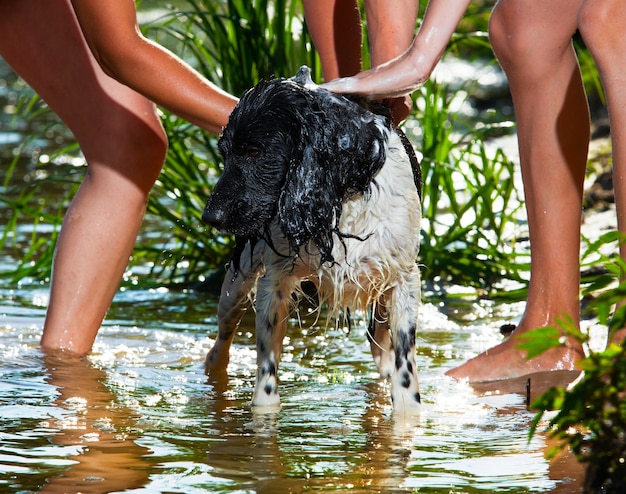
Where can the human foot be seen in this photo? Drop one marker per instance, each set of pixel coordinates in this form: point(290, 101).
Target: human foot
point(506, 361)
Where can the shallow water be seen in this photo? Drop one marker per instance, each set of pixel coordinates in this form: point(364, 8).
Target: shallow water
point(139, 414)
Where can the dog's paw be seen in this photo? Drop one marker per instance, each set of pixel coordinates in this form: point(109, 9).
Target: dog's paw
point(405, 393)
point(385, 363)
point(217, 359)
point(262, 399)
point(266, 390)
point(406, 404)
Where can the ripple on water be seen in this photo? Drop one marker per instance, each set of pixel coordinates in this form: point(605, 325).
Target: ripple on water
point(142, 400)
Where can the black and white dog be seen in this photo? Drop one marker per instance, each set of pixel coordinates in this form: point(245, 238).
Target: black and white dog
point(316, 187)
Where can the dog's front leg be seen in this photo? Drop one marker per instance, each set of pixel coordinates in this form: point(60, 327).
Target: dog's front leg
point(233, 303)
point(272, 306)
point(379, 337)
point(403, 319)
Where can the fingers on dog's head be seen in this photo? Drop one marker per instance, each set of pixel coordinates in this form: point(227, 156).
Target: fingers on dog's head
point(299, 150)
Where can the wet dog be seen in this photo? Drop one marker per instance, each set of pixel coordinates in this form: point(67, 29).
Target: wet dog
point(317, 187)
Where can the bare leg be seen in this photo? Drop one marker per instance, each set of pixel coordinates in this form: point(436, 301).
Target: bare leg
point(533, 43)
point(124, 144)
point(335, 27)
point(391, 27)
point(602, 26)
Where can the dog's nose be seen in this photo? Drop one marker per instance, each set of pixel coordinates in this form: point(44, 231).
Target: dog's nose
point(213, 217)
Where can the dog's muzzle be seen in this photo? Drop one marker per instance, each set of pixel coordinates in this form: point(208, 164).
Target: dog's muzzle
point(214, 216)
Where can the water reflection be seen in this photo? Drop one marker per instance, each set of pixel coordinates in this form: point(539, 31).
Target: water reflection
point(311, 447)
point(140, 415)
point(244, 450)
point(108, 458)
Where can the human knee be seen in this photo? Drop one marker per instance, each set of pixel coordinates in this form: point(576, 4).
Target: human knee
point(594, 18)
point(136, 148)
point(509, 38)
point(147, 146)
point(519, 41)
point(498, 27)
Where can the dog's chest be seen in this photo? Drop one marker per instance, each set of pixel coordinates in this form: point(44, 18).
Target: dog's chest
point(382, 238)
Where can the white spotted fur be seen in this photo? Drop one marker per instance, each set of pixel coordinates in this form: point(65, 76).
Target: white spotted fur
point(379, 268)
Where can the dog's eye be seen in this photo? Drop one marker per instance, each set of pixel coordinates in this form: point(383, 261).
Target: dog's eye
point(247, 150)
point(253, 152)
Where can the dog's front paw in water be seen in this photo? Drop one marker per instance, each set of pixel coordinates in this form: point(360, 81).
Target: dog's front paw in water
point(217, 359)
point(405, 390)
point(266, 389)
point(406, 401)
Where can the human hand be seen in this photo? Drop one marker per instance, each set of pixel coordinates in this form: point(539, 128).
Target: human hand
point(392, 83)
point(400, 108)
point(396, 78)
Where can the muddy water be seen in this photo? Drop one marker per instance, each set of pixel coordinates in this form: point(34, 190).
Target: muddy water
point(139, 415)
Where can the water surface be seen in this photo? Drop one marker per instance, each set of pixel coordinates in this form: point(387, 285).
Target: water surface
point(139, 414)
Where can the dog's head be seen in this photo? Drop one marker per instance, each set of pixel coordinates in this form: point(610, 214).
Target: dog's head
point(293, 152)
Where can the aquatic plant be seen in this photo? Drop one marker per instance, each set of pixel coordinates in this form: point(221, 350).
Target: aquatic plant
point(470, 200)
point(591, 417)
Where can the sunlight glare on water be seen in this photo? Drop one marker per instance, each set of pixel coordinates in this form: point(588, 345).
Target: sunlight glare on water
point(139, 414)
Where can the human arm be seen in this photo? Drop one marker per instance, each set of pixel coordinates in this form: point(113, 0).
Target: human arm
point(111, 30)
point(405, 73)
point(335, 27)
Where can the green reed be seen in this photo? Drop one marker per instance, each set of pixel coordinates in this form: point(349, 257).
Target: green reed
point(470, 201)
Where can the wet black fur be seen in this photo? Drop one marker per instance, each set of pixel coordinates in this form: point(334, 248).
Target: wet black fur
point(294, 155)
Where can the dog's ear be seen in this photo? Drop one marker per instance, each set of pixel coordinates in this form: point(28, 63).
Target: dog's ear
point(361, 146)
point(342, 146)
point(309, 204)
